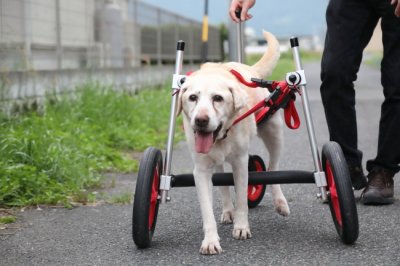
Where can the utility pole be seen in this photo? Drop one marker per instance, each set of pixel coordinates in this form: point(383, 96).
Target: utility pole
point(204, 34)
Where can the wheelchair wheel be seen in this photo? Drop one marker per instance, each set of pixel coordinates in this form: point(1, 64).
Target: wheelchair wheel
point(255, 193)
point(340, 193)
point(146, 202)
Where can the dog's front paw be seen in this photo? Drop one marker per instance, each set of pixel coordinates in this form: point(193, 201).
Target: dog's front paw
point(241, 233)
point(227, 217)
point(282, 207)
point(210, 247)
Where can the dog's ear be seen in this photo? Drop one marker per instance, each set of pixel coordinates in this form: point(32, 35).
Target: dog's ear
point(239, 97)
point(179, 108)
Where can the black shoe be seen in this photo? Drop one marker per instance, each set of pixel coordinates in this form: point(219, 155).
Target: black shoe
point(357, 176)
point(379, 190)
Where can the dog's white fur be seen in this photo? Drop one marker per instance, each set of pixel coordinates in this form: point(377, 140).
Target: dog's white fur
point(210, 98)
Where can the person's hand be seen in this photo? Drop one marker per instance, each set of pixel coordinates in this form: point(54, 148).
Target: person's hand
point(244, 5)
point(397, 8)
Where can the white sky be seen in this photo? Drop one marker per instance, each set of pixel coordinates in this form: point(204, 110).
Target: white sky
point(281, 17)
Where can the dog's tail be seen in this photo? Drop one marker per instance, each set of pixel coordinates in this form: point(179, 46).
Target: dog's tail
point(270, 58)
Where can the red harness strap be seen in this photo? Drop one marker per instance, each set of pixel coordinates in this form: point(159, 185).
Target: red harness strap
point(242, 80)
point(251, 111)
point(290, 113)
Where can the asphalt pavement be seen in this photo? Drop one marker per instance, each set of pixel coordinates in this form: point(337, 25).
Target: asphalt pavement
point(101, 234)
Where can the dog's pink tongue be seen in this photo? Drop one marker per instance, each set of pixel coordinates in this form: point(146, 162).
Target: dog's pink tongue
point(203, 142)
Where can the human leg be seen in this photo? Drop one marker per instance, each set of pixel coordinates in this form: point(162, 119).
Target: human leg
point(386, 163)
point(388, 152)
point(350, 27)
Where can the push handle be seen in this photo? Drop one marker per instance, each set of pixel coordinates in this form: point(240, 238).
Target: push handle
point(180, 46)
point(294, 42)
point(239, 36)
point(238, 12)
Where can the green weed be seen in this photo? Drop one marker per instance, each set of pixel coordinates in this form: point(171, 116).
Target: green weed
point(50, 157)
point(124, 198)
point(7, 219)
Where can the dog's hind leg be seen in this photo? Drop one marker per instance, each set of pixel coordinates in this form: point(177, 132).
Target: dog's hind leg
point(227, 205)
point(271, 133)
point(280, 203)
point(210, 243)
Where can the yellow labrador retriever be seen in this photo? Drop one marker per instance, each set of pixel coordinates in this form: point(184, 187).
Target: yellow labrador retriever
point(210, 100)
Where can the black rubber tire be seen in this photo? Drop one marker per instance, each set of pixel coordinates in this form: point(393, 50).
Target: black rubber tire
point(150, 168)
point(340, 197)
point(256, 164)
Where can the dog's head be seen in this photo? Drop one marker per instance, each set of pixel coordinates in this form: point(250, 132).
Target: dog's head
point(210, 100)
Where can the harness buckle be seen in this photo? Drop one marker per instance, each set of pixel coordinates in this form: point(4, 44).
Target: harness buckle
point(263, 83)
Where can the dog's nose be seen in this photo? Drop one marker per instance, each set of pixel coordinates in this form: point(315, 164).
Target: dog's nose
point(202, 121)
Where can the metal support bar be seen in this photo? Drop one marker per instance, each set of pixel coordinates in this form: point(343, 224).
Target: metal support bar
point(255, 178)
point(172, 121)
point(239, 30)
point(307, 114)
point(239, 37)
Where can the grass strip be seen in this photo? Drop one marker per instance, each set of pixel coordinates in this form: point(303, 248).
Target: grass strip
point(50, 157)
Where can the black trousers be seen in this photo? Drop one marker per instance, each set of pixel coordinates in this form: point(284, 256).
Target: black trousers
point(350, 24)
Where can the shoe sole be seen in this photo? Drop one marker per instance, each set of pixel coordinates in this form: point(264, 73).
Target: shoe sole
point(377, 201)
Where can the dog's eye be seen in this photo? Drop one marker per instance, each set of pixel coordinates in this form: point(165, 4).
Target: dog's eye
point(193, 98)
point(217, 98)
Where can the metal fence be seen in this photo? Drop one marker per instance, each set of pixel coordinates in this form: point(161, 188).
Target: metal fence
point(89, 35)
point(160, 30)
point(52, 46)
